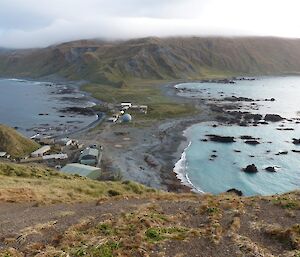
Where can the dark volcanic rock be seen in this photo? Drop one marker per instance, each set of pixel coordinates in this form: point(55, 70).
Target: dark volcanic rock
point(296, 151)
point(221, 139)
point(248, 137)
point(285, 129)
point(296, 141)
point(273, 117)
point(282, 153)
point(271, 99)
point(263, 122)
point(235, 191)
point(270, 169)
point(252, 116)
point(252, 142)
point(78, 110)
point(238, 99)
point(250, 169)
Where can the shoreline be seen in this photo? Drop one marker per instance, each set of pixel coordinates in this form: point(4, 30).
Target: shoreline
point(75, 86)
point(170, 153)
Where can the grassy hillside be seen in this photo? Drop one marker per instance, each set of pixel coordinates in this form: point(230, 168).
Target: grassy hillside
point(156, 59)
point(14, 143)
point(127, 219)
point(34, 183)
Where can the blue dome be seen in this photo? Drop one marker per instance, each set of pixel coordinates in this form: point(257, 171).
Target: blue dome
point(126, 117)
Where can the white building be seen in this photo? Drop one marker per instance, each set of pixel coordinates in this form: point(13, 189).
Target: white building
point(59, 156)
point(126, 105)
point(40, 152)
point(3, 155)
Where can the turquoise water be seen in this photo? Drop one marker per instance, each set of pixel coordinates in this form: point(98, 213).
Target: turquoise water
point(285, 90)
point(219, 174)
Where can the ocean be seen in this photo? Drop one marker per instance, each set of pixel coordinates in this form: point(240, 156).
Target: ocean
point(38, 107)
point(215, 167)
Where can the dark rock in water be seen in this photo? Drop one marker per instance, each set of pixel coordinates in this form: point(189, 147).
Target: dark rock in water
point(296, 151)
point(251, 156)
point(285, 129)
point(204, 140)
point(296, 141)
point(263, 122)
point(250, 169)
point(16, 128)
point(221, 139)
point(213, 156)
point(243, 124)
point(214, 151)
point(252, 142)
point(273, 117)
point(237, 151)
point(238, 99)
point(248, 138)
point(78, 110)
point(270, 169)
point(271, 99)
point(252, 116)
point(214, 126)
point(235, 191)
point(282, 153)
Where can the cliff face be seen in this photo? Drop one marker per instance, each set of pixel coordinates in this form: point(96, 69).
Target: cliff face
point(156, 58)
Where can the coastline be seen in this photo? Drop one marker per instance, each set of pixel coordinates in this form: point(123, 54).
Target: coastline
point(170, 151)
point(166, 152)
point(74, 87)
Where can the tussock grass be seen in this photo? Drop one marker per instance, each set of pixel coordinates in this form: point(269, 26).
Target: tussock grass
point(14, 143)
point(22, 183)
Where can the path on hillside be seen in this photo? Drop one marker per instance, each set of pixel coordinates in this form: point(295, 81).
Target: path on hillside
point(222, 227)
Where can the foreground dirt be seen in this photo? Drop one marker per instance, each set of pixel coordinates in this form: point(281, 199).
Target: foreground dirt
point(170, 225)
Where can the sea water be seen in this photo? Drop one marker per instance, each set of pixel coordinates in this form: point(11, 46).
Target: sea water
point(206, 173)
point(34, 107)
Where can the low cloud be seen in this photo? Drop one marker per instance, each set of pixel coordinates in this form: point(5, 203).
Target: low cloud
point(35, 23)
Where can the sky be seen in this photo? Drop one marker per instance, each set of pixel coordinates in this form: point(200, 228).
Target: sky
point(40, 23)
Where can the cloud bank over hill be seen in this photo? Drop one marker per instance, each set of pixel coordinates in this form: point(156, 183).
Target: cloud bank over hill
point(35, 23)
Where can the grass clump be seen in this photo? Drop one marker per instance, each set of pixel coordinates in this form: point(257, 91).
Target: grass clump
point(104, 250)
point(287, 201)
point(161, 233)
point(112, 192)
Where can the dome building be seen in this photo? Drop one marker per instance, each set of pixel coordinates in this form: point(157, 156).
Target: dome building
point(126, 118)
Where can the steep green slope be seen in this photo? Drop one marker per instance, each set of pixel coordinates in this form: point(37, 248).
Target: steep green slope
point(14, 143)
point(36, 183)
point(156, 58)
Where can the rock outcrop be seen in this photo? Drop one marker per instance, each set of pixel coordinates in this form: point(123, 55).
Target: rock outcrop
point(250, 169)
